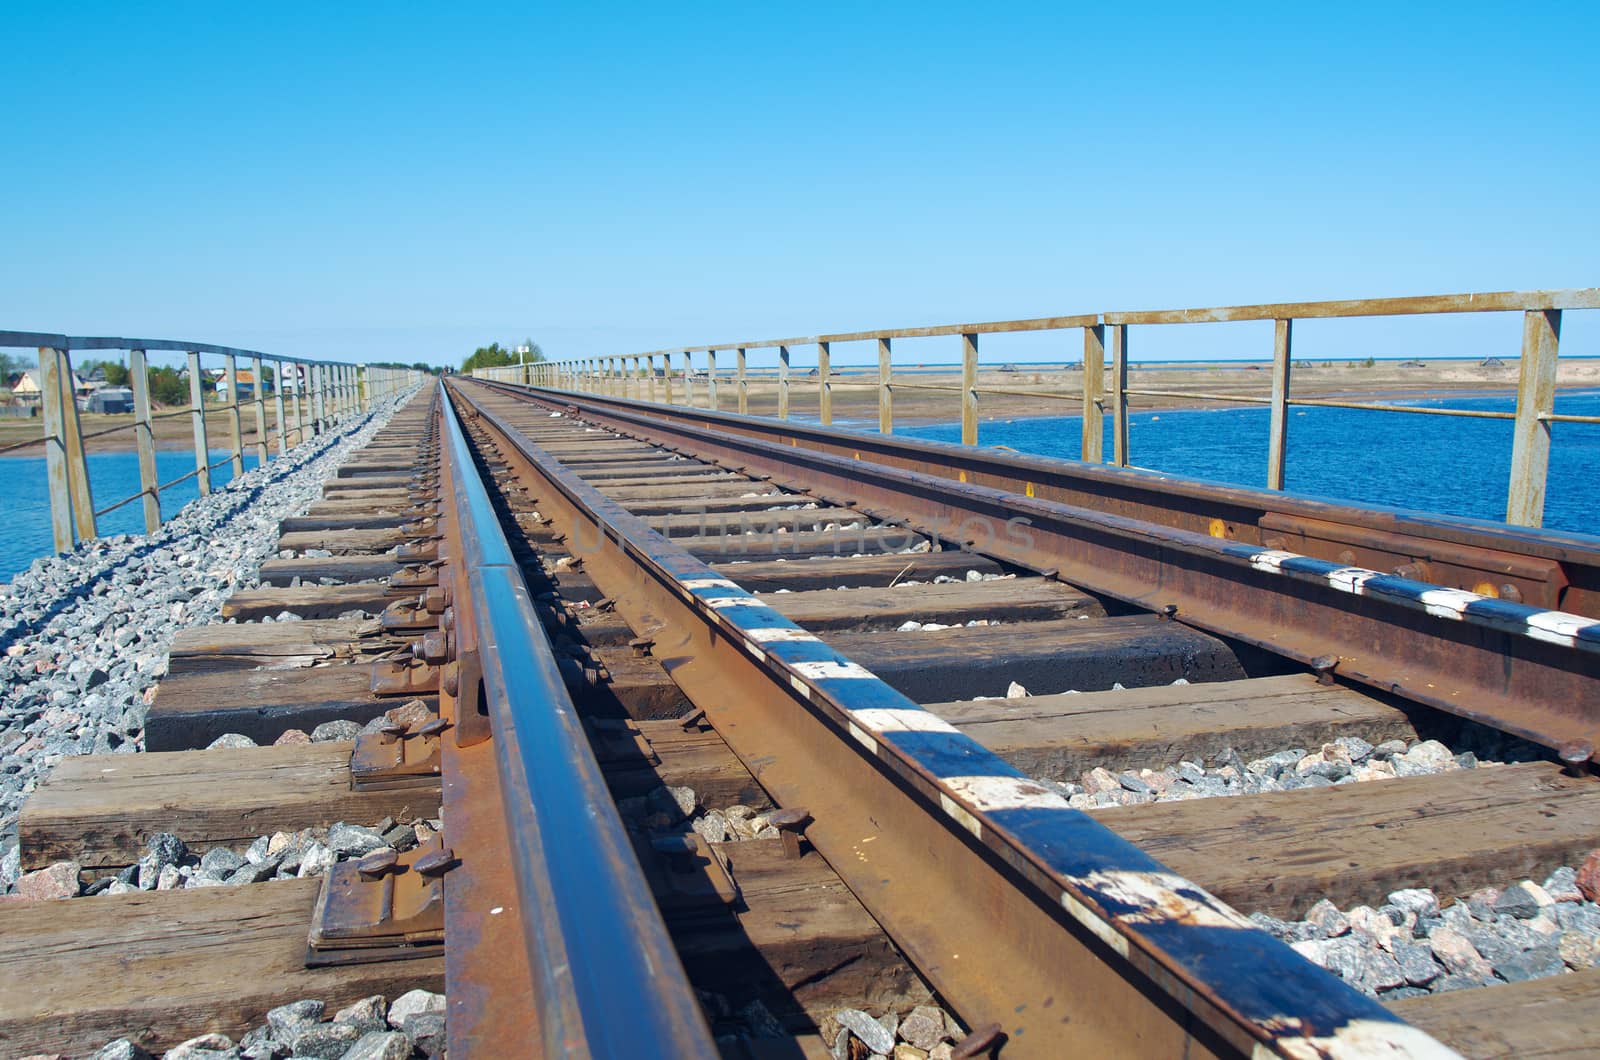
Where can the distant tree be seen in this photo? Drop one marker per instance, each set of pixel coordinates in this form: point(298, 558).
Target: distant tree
point(116, 372)
point(167, 387)
point(10, 365)
point(490, 356)
point(496, 356)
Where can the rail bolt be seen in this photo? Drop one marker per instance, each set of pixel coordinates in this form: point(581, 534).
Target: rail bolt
point(1575, 755)
point(437, 863)
point(982, 1040)
point(436, 598)
point(433, 726)
point(377, 863)
point(434, 648)
point(791, 824)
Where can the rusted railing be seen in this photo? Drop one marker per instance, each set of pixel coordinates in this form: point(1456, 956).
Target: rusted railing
point(637, 375)
point(324, 391)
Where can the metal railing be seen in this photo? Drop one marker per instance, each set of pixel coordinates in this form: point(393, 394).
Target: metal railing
point(321, 394)
point(637, 376)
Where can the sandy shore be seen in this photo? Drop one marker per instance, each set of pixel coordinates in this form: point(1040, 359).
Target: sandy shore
point(174, 432)
point(1059, 393)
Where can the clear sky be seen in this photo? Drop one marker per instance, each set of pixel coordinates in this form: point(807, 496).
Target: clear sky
point(411, 180)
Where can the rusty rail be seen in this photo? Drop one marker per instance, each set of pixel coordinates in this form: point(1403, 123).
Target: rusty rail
point(1544, 569)
point(1523, 669)
point(606, 979)
point(626, 375)
point(1018, 908)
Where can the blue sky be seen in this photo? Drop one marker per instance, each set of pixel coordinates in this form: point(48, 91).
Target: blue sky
point(405, 180)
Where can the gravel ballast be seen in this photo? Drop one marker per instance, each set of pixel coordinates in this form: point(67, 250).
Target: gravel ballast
point(84, 636)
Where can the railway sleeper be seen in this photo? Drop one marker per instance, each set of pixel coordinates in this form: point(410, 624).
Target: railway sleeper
point(162, 966)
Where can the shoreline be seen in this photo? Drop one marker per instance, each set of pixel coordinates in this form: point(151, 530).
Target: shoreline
point(912, 419)
point(851, 408)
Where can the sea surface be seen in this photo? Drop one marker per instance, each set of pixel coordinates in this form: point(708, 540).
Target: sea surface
point(25, 534)
point(1447, 464)
point(1437, 463)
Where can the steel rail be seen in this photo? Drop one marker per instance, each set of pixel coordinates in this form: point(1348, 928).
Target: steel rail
point(1019, 909)
point(1545, 568)
point(608, 980)
point(1529, 671)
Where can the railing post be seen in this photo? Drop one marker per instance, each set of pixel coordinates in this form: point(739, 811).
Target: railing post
point(711, 380)
point(77, 460)
point(650, 374)
point(197, 416)
point(277, 405)
point(144, 440)
point(55, 447)
point(1278, 437)
point(885, 389)
point(319, 397)
point(666, 376)
point(824, 385)
point(783, 382)
point(969, 389)
point(230, 368)
point(1536, 395)
point(742, 385)
point(1119, 394)
point(302, 378)
point(1094, 383)
point(688, 379)
point(364, 386)
point(261, 410)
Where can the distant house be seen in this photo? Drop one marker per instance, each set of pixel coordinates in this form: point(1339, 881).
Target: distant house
point(110, 399)
point(246, 382)
point(1413, 364)
point(26, 388)
point(1492, 363)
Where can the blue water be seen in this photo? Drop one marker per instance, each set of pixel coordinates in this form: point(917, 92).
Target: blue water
point(26, 534)
point(1439, 463)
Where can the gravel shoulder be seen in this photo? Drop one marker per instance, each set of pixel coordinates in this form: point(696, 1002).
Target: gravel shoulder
point(84, 635)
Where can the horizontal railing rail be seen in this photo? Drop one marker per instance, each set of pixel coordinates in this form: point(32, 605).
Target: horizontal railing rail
point(321, 394)
point(689, 375)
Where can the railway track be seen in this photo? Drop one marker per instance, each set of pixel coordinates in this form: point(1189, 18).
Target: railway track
point(737, 731)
